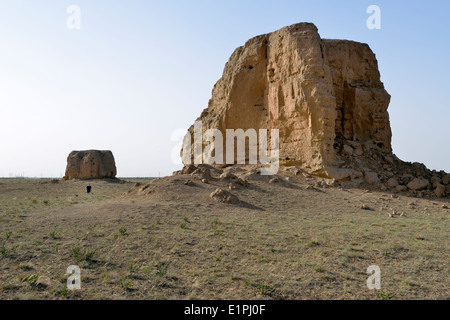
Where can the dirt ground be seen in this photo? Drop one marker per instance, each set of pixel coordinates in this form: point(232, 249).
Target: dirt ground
point(285, 240)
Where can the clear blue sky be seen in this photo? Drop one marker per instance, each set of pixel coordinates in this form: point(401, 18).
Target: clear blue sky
point(138, 70)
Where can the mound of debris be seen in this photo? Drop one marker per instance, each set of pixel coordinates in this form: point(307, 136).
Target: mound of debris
point(206, 182)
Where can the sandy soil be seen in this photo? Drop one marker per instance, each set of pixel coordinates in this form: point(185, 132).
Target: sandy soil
point(293, 239)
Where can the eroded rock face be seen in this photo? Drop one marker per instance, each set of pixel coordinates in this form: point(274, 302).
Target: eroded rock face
point(325, 97)
point(90, 164)
point(327, 100)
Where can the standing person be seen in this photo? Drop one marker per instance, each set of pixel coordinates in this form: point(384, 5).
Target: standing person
point(88, 189)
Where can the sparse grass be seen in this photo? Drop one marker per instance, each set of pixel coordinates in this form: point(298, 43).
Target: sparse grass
point(4, 250)
point(89, 255)
point(301, 244)
point(314, 243)
point(126, 284)
point(80, 254)
point(162, 268)
point(384, 296)
point(31, 279)
point(54, 234)
point(64, 292)
point(76, 252)
point(133, 269)
point(266, 290)
point(319, 269)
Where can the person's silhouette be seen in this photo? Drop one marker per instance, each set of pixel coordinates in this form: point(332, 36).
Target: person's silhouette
point(88, 189)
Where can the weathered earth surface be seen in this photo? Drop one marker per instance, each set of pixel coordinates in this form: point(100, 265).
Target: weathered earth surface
point(326, 99)
point(218, 250)
point(90, 164)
